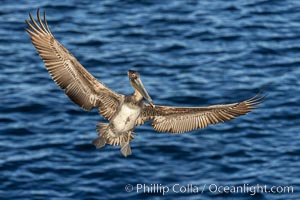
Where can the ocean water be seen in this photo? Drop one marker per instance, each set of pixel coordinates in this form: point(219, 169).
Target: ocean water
point(189, 53)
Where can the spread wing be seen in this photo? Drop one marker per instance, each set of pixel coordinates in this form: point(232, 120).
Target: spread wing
point(79, 85)
point(184, 119)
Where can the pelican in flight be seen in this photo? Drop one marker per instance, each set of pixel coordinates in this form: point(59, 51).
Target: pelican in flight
point(123, 111)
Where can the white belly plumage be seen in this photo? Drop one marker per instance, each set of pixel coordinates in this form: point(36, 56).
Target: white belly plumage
point(125, 119)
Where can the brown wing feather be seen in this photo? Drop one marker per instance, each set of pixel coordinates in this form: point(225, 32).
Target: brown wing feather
point(81, 87)
point(184, 119)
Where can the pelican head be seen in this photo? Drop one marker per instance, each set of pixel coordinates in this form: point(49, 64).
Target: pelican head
point(137, 84)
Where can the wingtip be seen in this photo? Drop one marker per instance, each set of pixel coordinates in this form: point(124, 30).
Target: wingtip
point(38, 13)
point(257, 99)
point(28, 31)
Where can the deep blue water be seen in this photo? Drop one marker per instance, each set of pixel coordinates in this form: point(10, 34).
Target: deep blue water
point(189, 53)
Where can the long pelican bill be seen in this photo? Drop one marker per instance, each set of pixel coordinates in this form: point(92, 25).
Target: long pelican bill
point(139, 86)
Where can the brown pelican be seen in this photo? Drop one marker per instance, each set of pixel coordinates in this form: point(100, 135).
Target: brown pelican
point(124, 111)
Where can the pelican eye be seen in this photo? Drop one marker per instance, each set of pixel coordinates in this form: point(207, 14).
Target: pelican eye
point(133, 76)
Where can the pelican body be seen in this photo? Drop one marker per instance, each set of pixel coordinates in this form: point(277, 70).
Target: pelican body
point(123, 111)
point(120, 129)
